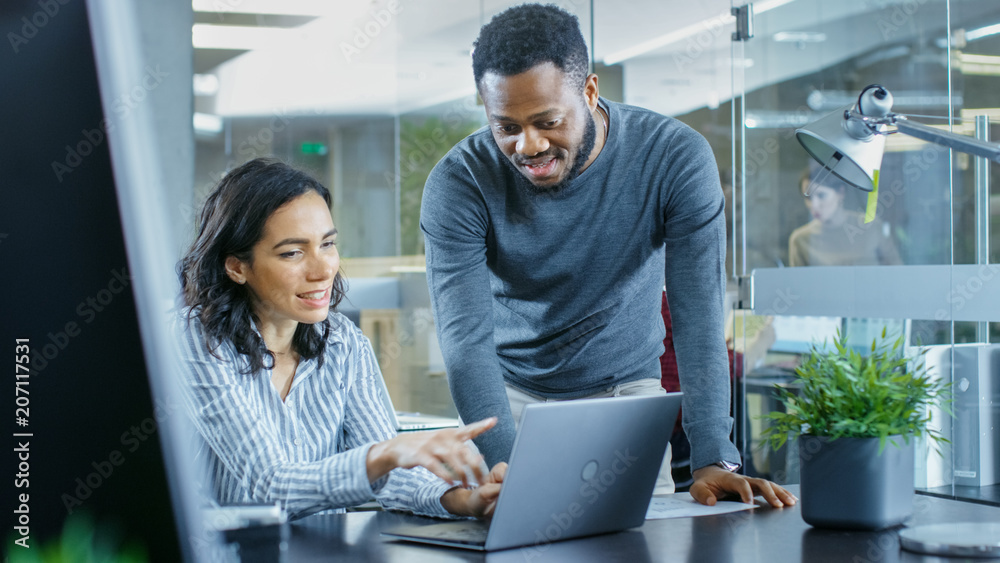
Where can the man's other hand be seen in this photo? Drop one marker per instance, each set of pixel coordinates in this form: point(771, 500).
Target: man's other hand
point(713, 483)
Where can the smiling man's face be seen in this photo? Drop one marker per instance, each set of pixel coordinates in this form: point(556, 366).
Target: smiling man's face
point(543, 122)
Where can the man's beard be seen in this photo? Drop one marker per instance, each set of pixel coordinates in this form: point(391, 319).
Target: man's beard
point(582, 154)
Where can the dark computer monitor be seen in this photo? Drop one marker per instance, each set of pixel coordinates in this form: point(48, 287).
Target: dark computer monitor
point(140, 172)
point(79, 294)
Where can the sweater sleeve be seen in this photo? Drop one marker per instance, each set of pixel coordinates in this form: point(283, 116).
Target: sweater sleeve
point(455, 224)
point(695, 237)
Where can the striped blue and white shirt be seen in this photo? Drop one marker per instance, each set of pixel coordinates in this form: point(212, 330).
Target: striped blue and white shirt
point(308, 453)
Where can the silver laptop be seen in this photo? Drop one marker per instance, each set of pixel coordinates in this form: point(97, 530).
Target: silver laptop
point(412, 421)
point(578, 468)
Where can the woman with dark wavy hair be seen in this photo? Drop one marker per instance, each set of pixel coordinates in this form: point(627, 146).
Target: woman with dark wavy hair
point(283, 388)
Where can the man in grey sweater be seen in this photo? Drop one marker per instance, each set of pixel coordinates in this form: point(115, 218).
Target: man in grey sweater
point(549, 236)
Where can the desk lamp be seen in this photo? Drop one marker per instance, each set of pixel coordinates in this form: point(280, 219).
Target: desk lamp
point(849, 143)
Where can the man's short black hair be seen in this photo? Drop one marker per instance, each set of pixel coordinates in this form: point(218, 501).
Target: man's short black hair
point(524, 36)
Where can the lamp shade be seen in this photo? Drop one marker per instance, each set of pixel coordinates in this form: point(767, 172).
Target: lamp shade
point(851, 159)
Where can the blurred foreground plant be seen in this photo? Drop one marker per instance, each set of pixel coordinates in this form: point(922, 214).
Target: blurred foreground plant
point(81, 541)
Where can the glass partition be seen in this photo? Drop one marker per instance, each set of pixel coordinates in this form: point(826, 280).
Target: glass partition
point(913, 259)
point(683, 70)
point(370, 96)
point(367, 97)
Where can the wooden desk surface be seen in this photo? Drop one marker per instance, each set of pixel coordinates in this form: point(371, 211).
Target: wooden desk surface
point(762, 535)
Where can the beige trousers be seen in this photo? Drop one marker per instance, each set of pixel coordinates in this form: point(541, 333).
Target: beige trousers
point(519, 399)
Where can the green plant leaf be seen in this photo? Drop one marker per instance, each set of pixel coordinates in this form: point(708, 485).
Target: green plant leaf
point(839, 392)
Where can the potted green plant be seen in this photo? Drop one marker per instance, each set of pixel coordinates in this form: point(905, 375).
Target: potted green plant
point(856, 416)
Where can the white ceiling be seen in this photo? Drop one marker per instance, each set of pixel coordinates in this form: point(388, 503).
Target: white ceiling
point(420, 55)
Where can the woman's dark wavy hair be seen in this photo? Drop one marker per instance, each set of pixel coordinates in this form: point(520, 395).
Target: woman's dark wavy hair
point(231, 223)
point(521, 37)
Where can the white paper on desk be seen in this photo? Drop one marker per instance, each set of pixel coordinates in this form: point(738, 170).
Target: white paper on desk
point(683, 505)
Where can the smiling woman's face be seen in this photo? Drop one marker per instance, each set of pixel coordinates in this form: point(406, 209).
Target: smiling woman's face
point(294, 264)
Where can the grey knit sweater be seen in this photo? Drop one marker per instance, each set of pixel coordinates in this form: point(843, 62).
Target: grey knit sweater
point(559, 294)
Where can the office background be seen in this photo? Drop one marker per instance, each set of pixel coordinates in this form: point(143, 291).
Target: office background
point(368, 96)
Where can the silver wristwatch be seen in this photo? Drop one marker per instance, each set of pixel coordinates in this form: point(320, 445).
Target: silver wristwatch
point(730, 467)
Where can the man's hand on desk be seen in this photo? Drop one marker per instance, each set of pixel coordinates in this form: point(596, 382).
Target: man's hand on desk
point(480, 501)
point(712, 483)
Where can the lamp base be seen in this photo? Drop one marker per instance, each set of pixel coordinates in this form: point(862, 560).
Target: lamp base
point(965, 539)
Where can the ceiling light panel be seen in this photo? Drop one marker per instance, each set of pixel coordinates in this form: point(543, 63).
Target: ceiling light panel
point(799, 37)
point(238, 37)
point(285, 7)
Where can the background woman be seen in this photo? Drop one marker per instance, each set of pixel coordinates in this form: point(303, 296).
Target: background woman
point(837, 236)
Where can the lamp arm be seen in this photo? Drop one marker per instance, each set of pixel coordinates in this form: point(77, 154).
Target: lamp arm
point(961, 143)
